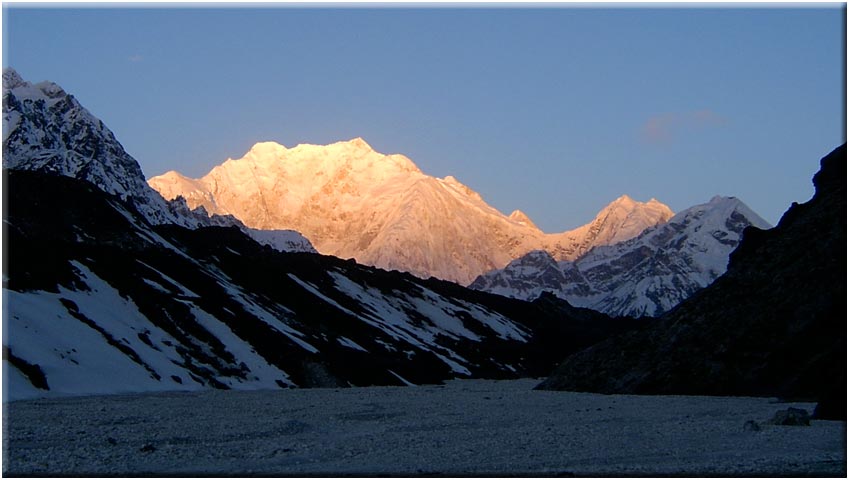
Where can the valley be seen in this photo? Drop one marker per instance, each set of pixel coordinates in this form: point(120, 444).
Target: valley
point(465, 427)
point(326, 240)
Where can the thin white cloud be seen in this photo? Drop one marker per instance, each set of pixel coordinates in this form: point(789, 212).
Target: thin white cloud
point(135, 58)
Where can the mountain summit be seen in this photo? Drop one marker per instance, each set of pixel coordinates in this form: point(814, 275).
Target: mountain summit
point(45, 129)
point(353, 202)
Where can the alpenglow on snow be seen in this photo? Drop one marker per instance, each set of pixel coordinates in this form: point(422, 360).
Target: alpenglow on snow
point(381, 210)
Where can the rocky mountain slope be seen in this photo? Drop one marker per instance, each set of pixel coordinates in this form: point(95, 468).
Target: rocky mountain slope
point(46, 129)
point(97, 300)
point(381, 210)
point(773, 324)
point(646, 275)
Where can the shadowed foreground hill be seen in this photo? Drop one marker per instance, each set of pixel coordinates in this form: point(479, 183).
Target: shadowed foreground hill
point(774, 324)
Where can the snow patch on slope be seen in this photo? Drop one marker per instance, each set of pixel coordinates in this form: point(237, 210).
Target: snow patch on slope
point(74, 356)
point(281, 240)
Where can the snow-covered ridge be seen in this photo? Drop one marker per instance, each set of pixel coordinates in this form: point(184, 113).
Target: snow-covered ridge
point(381, 210)
point(281, 240)
point(646, 275)
point(46, 129)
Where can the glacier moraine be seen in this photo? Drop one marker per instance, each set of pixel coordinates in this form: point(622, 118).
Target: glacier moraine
point(466, 427)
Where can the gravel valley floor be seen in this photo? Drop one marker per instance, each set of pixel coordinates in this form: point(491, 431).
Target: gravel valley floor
point(467, 427)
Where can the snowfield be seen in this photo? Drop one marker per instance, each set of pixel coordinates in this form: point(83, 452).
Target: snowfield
point(476, 427)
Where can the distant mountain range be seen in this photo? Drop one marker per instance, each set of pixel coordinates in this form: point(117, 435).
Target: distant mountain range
point(381, 210)
point(646, 275)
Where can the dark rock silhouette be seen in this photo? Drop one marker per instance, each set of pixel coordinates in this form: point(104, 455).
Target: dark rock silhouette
point(791, 416)
point(774, 324)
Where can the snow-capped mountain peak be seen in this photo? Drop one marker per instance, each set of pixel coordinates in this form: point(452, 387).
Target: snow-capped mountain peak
point(520, 217)
point(624, 199)
point(719, 214)
point(265, 149)
point(644, 275)
point(620, 220)
point(26, 90)
point(359, 143)
point(11, 78)
point(47, 130)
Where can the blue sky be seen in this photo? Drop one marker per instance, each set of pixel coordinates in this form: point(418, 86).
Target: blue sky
point(554, 111)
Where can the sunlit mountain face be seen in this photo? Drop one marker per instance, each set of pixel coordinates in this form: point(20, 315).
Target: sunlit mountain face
point(382, 210)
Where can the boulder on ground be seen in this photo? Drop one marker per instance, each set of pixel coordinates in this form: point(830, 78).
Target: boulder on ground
point(791, 416)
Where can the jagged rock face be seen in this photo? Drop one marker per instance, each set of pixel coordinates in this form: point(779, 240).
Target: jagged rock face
point(646, 275)
point(98, 301)
point(773, 324)
point(353, 202)
point(46, 130)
